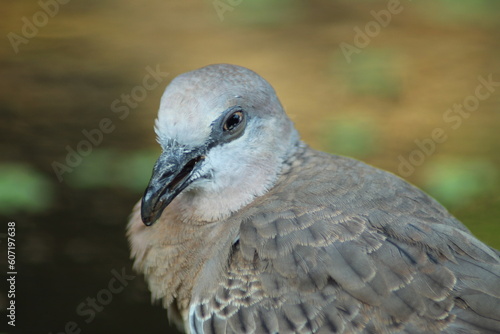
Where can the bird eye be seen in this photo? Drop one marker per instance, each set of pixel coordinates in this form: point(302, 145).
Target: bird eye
point(234, 119)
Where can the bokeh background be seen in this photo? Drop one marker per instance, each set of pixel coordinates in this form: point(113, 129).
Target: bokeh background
point(393, 88)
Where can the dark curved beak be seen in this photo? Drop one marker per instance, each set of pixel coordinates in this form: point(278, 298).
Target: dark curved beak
point(172, 173)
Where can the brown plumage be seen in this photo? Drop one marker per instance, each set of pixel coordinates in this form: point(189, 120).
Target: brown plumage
point(255, 232)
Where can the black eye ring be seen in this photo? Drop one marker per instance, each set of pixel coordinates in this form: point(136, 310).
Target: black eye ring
point(233, 120)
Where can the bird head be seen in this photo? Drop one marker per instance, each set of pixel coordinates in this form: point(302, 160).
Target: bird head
point(224, 136)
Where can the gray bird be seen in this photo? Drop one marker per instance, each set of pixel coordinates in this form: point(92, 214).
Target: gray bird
point(243, 228)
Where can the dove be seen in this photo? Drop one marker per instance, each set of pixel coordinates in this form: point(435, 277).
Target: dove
point(244, 228)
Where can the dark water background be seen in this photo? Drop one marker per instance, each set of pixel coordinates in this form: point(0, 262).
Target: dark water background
point(65, 75)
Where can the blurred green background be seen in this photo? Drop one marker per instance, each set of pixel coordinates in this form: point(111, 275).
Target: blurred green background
point(63, 74)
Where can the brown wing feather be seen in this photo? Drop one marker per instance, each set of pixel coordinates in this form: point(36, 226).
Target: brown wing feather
point(342, 247)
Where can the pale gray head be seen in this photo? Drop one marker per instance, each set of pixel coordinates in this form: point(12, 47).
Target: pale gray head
point(224, 136)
